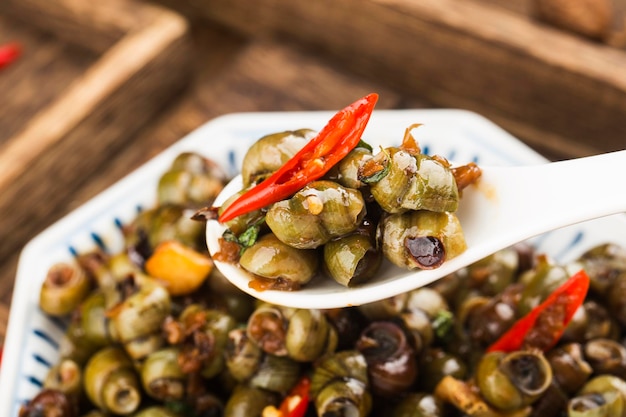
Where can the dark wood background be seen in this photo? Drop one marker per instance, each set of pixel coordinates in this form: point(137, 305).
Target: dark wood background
point(82, 107)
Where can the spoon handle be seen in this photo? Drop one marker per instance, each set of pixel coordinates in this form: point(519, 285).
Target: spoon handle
point(538, 198)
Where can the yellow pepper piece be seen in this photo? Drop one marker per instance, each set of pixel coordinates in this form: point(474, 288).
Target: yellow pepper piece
point(181, 268)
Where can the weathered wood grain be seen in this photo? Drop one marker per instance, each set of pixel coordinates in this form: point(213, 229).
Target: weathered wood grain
point(527, 75)
point(38, 76)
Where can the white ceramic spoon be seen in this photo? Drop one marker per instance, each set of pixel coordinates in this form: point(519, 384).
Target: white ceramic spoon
point(507, 206)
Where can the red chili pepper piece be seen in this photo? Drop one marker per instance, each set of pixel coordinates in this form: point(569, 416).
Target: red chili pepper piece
point(341, 134)
point(297, 402)
point(561, 304)
point(8, 53)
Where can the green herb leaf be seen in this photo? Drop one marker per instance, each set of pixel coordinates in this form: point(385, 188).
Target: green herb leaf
point(249, 236)
point(380, 164)
point(443, 323)
point(363, 144)
point(378, 175)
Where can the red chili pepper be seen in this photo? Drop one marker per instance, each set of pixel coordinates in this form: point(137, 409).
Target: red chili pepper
point(562, 303)
point(296, 403)
point(341, 134)
point(8, 53)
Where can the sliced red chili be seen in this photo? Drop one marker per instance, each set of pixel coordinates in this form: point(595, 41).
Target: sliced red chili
point(297, 402)
point(543, 326)
point(8, 53)
point(341, 134)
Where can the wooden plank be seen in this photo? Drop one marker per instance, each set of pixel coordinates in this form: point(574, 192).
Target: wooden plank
point(40, 74)
point(78, 133)
point(93, 25)
point(467, 53)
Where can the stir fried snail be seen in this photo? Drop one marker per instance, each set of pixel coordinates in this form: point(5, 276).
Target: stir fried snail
point(267, 328)
point(495, 273)
point(604, 264)
point(606, 356)
point(514, 380)
point(111, 382)
point(346, 172)
point(604, 395)
point(411, 182)
point(270, 152)
point(321, 211)
point(242, 355)
point(246, 223)
point(161, 376)
point(339, 385)
point(248, 364)
point(309, 335)
point(616, 296)
point(136, 318)
point(354, 258)
point(539, 282)
point(488, 318)
point(301, 334)
point(403, 178)
point(192, 180)
point(87, 331)
point(218, 324)
point(65, 287)
point(276, 374)
point(569, 367)
point(282, 266)
point(66, 377)
point(418, 310)
point(390, 357)
point(591, 321)
point(421, 239)
point(161, 224)
point(201, 334)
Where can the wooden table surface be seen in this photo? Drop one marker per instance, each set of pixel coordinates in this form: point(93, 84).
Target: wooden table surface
point(231, 71)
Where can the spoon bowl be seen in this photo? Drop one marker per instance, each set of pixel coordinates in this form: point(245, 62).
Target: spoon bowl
point(508, 205)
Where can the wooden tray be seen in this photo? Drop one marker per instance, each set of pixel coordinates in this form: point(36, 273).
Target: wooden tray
point(140, 54)
point(561, 93)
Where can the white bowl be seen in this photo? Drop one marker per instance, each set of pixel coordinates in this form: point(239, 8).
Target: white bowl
point(32, 340)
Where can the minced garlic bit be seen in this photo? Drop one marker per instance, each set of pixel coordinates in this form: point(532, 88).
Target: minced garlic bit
point(314, 204)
